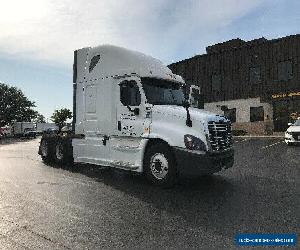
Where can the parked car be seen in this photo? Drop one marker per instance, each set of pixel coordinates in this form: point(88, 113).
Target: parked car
point(5, 131)
point(292, 135)
point(42, 127)
point(50, 131)
point(29, 132)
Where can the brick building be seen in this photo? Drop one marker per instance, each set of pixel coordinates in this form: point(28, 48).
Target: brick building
point(250, 82)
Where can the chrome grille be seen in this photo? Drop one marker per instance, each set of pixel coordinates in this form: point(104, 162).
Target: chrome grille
point(220, 135)
point(295, 135)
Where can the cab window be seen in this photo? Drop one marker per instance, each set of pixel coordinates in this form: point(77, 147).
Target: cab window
point(129, 93)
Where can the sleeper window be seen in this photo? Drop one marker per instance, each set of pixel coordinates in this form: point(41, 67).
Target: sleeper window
point(94, 62)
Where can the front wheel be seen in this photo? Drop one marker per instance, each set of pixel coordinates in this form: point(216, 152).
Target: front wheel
point(159, 165)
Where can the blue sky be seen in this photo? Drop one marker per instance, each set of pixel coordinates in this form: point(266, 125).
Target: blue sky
point(38, 37)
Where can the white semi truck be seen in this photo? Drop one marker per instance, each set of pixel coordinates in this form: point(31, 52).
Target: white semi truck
point(131, 112)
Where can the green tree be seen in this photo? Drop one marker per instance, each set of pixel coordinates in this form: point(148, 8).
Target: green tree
point(15, 106)
point(40, 118)
point(60, 117)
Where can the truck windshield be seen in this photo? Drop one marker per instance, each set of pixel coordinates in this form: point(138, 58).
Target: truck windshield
point(163, 92)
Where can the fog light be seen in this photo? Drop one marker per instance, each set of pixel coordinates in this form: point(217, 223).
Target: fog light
point(193, 143)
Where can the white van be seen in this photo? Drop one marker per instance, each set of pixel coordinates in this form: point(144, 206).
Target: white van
point(130, 112)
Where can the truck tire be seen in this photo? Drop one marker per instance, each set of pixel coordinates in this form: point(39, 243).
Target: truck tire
point(64, 152)
point(159, 165)
point(46, 151)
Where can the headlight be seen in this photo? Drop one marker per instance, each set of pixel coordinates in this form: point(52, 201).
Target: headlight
point(194, 143)
point(289, 133)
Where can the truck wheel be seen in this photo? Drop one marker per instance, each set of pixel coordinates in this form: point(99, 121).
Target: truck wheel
point(288, 143)
point(45, 150)
point(63, 153)
point(159, 166)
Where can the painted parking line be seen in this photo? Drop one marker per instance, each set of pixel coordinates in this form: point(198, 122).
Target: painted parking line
point(271, 145)
point(236, 141)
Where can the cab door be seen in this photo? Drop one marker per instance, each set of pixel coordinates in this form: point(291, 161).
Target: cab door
point(133, 122)
point(130, 109)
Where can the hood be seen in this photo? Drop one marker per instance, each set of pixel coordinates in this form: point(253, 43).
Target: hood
point(293, 129)
point(180, 112)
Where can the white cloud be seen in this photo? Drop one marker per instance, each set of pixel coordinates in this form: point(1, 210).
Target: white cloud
point(51, 30)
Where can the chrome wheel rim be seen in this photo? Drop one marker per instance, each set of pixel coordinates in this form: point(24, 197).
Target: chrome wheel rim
point(44, 148)
point(159, 166)
point(58, 151)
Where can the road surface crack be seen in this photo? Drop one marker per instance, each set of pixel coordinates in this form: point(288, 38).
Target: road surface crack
point(25, 227)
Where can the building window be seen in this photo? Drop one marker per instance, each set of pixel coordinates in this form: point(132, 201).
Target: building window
point(254, 75)
point(256, 114)
point(216, 83)
point(230, 114)
point(285, 71)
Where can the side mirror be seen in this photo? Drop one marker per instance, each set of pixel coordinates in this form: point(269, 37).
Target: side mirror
point(186, 103)
point(290, 124)
point(136, 111)
point(201, 101)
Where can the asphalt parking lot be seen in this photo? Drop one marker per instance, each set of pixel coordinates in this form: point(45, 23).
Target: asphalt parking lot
point(46, 207)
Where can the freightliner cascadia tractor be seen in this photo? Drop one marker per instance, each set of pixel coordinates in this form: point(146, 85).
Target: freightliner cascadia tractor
point(131, 112)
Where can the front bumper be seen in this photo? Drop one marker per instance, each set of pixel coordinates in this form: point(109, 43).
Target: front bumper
point(292, 138)
point(193, 163)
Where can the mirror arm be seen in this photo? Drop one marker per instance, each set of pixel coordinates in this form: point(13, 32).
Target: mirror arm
point(131, 110)
point(188, 121)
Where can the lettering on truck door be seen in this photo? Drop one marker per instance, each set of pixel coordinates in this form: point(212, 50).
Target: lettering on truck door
point(130, 117)
point(132, 124)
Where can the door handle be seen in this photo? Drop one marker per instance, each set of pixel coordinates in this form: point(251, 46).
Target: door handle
point(105, 138)
point(136, 111)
